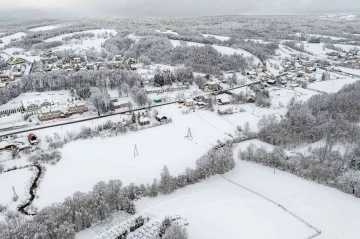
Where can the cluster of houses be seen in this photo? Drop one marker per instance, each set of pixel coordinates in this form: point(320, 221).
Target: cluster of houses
point(7, 76)
point(145, 120)
point(49, 110)
point(260, 72)
point(51, 62)
point(348, 59)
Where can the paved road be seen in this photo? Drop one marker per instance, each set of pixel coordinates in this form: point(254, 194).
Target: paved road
point(118, 113)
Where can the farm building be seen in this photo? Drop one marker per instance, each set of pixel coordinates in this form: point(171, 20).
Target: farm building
point(34, 105)
point(121, 104)
point(223, 99)
point(189, 102)
point(32, 139)
point(117, 58)
point(144, 120)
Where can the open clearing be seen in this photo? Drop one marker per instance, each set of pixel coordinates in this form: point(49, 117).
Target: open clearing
point(217, 208)
point(6, 40)
point(112, 158)
point(44, 28)
point(19, 179)
point(331, 86)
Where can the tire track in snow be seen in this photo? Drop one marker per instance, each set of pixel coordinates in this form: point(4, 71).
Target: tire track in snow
point(318, 232)
point(208, 122)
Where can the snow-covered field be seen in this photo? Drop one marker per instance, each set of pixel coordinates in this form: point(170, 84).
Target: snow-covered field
point(19, 179)
point(6, 40)
point(44, 28)
point(167, 32)
point(332, 86)
point(221, 38)
point(112, 158)
point(78, 45)
point(217, 208)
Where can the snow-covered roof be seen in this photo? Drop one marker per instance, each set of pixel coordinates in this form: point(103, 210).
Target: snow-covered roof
point(2, 85)
point(160, 116)
point(4, 144)
point(27, 103)
point(144, 119)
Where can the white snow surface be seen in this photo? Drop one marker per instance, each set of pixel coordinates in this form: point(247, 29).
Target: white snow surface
point(112, 158)
point(216, 208)
point(168, 32)
point(20, 180)
point(44, 28)
point(6, 40)
point(332, 86)
point(221, 38)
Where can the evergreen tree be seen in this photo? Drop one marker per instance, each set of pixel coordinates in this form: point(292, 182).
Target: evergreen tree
point(166, 184)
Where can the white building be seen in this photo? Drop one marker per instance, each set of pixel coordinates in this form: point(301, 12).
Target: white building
point(34, 105)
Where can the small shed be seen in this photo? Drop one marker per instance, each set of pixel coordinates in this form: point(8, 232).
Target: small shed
point(32, 139)
point(189, 102)
point(144, 120)
point(160, 117)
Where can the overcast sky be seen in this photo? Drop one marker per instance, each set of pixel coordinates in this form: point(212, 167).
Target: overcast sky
point(23, 9)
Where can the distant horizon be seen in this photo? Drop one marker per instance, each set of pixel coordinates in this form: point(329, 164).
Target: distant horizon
point(32, 9)
point(70, 18)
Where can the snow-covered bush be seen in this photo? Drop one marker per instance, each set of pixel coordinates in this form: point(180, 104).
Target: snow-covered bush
point(176, 232)
point(46, 157)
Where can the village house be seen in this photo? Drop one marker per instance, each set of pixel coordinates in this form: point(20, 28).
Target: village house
point(300, 74)
point(50, 113)
point(77, 107)
point(189, 102)
point(212, 85)
point(7, 78)
point(144, 120)
point(34, 105)
point(121, 104)
point(271, 81)
point(77, 60)
point(117, 58)
point(223, 99)
point(6, 145)
point(32, 139)
point(251, 75)
point(154, 90)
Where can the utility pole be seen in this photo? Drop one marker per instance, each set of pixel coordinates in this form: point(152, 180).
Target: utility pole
point(15, 198)
point(136, 153)
point(189, 134)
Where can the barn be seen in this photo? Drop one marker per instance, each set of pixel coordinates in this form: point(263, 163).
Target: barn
point(32, 139)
